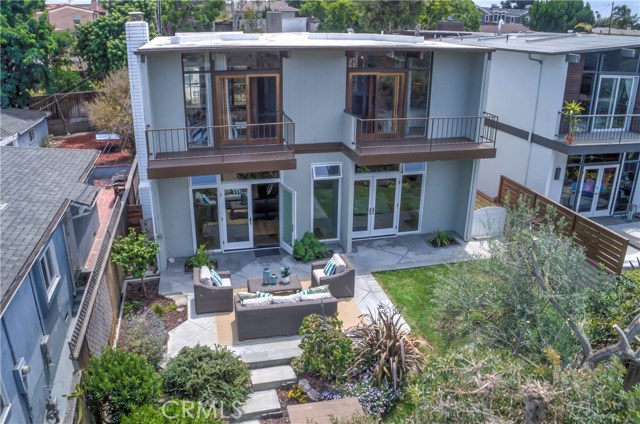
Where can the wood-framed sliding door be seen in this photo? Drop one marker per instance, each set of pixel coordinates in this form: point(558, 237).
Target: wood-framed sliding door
point(248, 109)
point(377, 98)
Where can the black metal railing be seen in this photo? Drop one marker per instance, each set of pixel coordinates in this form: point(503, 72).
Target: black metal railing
point(221, 137)
point(428, 132)
point(589, 129)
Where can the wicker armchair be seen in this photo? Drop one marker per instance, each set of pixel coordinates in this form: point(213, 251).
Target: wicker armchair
point(212, 299)
point(340, 284)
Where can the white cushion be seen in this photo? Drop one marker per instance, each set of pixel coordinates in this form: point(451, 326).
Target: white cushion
point(340, 265)
point(258, 301)
point(205, 276)
point(318, 273)
point(226, 282)
point(315, 296)
point(292, 298)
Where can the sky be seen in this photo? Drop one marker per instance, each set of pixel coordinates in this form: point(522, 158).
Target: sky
point(602, 6)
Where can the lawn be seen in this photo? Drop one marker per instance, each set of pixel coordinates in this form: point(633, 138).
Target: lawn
point(411, 291)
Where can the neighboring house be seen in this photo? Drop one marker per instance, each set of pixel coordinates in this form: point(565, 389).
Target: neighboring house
point(23, 127)
point(48, 221)
point(513, 20)
point(249, 140)
point(594, 172)
point(65, 17)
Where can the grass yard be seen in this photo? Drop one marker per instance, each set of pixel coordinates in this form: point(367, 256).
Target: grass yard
point(411, 291)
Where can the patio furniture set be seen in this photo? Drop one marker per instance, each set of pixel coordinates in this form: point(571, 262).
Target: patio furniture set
point(282, 317)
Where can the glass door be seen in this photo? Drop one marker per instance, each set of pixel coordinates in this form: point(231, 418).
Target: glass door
point(613, 98)
point(376, 98)
point(596, 190)
point(375, 206)
point(287, 218)
point(237, 215)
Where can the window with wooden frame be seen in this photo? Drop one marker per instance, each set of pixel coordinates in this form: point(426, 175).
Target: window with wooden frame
point(248, 108)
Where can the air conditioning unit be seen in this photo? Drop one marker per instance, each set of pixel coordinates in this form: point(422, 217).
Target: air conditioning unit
point(45, 349)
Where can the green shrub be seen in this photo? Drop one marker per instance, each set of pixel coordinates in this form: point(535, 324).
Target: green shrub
point(145, 334)
point(203, 374)
point(199, 258)
point(309, 248)
point(326, 351)
point(133, 306)
point(617, 302)
point(117, 382)
point(172, 412)
point(442, 239)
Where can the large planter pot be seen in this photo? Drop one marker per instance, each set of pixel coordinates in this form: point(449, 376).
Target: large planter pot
point(570, 138)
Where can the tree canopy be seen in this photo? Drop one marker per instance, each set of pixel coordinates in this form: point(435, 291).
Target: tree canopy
point(389, 15)
point(559, 16)
point(336, 16)
point(190, 16)
point(27, 44)
point(622, 18)
point(101, 43)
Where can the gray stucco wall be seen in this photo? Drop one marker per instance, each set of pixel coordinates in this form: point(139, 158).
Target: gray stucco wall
point(41, 130)
point(175, 215)
point(27, 318)
point(456, 84)
point(314, 94)
point(447, 196)
point(164, 93)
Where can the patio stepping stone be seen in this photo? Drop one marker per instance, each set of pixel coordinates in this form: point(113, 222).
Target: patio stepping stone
point(272, 358)
point(272, 377)
point(259, 404)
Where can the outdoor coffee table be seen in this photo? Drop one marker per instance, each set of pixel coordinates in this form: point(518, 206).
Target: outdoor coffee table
point(255, 285)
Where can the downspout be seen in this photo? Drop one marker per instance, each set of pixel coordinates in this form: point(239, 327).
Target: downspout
point(535, 115)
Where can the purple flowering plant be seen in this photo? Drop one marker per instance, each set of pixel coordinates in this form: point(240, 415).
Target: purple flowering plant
point(145, 334)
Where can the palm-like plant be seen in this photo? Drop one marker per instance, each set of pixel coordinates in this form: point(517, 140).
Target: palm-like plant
point(383, 344)
point(622, 17)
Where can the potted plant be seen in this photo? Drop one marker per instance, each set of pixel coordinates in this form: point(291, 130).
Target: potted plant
point(285, 273)
point(570, 110)
point(200, 258)
point(134, 252)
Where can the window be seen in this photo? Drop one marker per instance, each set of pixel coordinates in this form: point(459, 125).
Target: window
point(326, 200)
point(49, 267)
point(76, 19)
point(32, 134)
point(196, 100)
point(5, 406)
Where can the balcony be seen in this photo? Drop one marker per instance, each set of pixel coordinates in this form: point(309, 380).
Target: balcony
point(394, 140)
point(238, 147)
point(599, 129)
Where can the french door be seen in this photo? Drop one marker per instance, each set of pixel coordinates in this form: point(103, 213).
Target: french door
point(287, 218)
point(614, 93)
point(248, 109)
point(236, 212)
point(597, 189)
point(377, 99)
point(375, 205)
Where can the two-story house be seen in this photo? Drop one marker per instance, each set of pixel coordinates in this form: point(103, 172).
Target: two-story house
point(48, 220)
point(590, 165)
point(23, 127)
point(249, 140)
point(65, 16)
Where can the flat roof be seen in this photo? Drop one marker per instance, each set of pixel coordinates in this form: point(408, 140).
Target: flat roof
point(548, 43)
point(295, 40)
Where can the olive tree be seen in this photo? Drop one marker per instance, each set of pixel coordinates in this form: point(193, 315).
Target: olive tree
point(134, 252)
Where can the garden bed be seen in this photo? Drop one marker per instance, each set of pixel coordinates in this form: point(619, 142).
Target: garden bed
point(134, 300)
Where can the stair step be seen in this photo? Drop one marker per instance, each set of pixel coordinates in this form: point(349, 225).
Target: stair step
point(272, 377)
point(272, 358)
point(258, 404)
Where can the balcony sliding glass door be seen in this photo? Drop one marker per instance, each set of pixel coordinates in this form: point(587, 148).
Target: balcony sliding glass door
point(377, 99)
point(613, 100)
point(247, 109)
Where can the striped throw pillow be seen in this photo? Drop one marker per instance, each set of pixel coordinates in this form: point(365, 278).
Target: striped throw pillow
point(236, 191)
point(246, 296)
point(263, 294)
point(315, 290)
point(215, 278)
point(330, 267)
point(305, 291)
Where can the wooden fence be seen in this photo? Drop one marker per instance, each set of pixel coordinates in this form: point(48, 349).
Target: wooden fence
point(602, 246)
point(63, 105)
point(483, 200)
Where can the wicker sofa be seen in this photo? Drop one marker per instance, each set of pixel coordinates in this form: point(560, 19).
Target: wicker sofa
point(212, 299)
point(341, 284)
point(273, 320)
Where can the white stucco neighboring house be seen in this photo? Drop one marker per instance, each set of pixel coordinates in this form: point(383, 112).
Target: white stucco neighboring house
point(23, 127)
point(589, 163)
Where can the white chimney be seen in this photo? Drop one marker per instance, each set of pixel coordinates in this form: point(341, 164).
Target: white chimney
point(137, 32)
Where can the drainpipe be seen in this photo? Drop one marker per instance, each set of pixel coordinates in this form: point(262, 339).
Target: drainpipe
point(535, 115)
